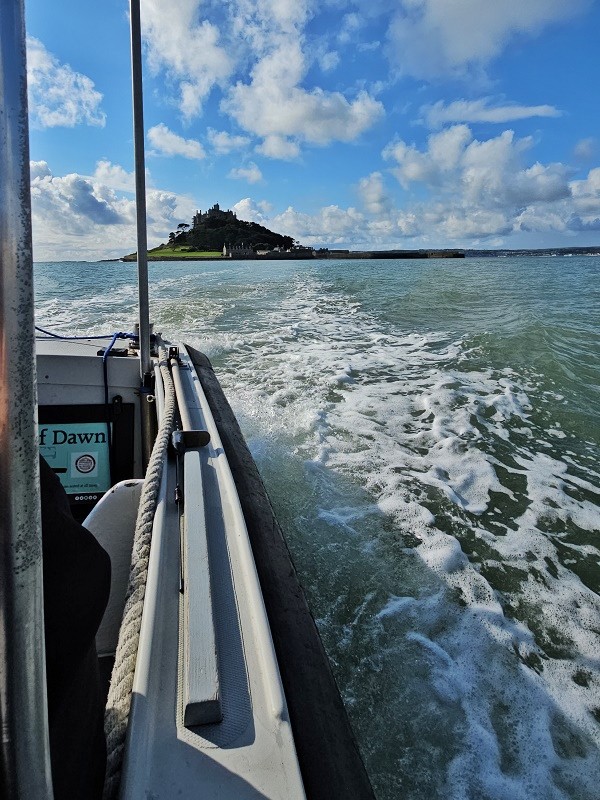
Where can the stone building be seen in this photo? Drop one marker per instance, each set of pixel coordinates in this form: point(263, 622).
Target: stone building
point(215, 213)
point(238, 251)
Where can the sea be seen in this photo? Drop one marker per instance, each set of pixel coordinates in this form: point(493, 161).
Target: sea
point(428, 432)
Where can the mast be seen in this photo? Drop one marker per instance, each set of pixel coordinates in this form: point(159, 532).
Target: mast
point(25, 757)
point(140, 189)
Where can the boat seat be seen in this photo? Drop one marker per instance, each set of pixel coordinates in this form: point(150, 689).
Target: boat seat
point(112, 521)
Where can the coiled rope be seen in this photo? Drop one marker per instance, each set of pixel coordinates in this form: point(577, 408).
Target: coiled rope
point(119, 696)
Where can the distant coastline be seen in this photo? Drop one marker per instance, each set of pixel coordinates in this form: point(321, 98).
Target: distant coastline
point(217, 234)
point(543, 251)
point(325, 253)
point(302, 253)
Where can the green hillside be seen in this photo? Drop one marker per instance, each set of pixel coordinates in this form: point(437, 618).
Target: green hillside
point(215, 228)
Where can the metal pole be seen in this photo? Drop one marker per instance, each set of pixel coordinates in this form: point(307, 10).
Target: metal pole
point(140, 188)
point(25, 756)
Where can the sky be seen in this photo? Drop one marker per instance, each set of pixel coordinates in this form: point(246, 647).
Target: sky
point(359, 124)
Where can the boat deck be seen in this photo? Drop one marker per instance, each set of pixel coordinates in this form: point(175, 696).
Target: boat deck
point(250, 753)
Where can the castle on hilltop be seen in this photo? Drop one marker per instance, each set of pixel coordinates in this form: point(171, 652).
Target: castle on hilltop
point(212, 213)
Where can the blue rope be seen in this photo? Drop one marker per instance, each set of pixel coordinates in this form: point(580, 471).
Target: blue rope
point(74, 338)
point(111, 345)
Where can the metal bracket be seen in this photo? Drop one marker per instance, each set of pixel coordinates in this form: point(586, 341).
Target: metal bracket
point(189, 440)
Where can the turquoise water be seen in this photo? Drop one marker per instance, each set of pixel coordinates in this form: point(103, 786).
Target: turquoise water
point(428, 433)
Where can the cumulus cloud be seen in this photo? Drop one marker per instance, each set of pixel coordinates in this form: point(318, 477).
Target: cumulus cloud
point(39, 169)
point(279, 147)
point(262, 23)
point(578, 224)
point(224, 143)
point(274, 104)
point(114, 176)
point(586, 199)
point(428, 38)
point(168, 143)
point(489, 173)
point(482, 110)
point(250, 211)
point(75, 195)
point(330, 224)
point(268, 39)
point(443, 154)
point(59, 96)
point(81, 217)
point(374, 197)
point(188, 49)
point(251, 173)
point(482, 189)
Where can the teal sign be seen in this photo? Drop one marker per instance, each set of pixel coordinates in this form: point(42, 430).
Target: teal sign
point(78, 454)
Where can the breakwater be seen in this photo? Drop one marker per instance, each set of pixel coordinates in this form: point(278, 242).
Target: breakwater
point(294, 255)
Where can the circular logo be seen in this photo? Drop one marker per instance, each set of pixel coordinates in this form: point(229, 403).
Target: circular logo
point(85, 464)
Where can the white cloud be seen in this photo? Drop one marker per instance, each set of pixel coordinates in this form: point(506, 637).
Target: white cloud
point(331, 224)
point(250, 211)
point(586, 198)
point(187, 48)
point(39, 169)
point(224, 143)
point(59, 96)
point(438, 39)
point(328, 225)
point(170, 144)
point(269, 40)
point(483, 189)
point(82, 217)
point(114, 177)
point(374, 197)
point(445, 149)
point(251, 173)
point(264, 23)
point(279, 147)
point(482, 110)
point(329, 61)
point(351, 24)
point(273, 104)
point(586, 149)
point(76, 197)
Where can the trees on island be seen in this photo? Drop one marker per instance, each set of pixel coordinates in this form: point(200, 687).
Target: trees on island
point(212, 232)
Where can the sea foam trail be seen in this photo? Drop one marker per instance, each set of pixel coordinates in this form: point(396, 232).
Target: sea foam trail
point(444, 519)
point(499, 625)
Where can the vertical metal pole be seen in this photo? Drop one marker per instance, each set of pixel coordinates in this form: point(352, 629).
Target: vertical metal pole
point(140, 188)
point(25, 759)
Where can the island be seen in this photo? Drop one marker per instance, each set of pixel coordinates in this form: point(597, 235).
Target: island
point(217, 234)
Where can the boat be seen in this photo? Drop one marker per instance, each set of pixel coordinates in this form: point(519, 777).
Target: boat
point(219, 684)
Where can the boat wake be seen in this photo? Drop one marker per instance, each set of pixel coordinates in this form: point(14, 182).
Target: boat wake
point(444, 526)
point(443, 515)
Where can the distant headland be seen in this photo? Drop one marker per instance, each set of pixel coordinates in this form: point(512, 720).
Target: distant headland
point(216, 234)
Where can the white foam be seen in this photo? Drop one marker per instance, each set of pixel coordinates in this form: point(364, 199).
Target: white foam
point(402, 416)
point(375, 422)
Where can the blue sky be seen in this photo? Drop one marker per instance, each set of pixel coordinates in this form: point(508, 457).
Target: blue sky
point(343, 123)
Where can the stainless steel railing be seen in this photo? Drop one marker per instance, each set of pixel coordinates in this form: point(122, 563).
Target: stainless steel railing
point(25, 765)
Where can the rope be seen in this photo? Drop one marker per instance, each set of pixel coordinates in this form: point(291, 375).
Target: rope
point(118, 335)
point(119, 697)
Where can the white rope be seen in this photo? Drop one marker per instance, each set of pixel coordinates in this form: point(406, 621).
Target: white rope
point(119, 696)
